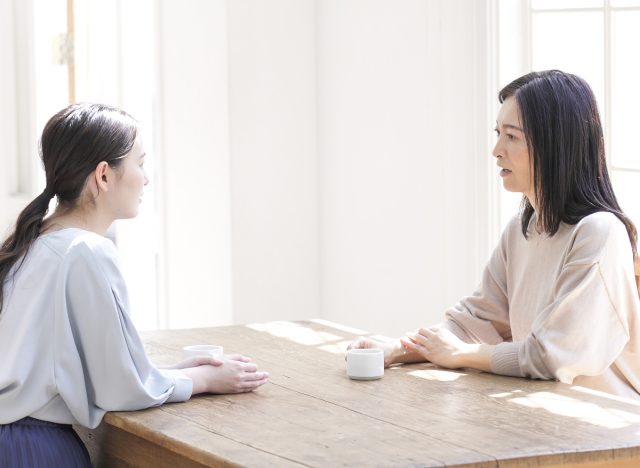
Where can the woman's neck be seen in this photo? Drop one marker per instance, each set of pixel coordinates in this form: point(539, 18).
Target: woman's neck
point(63, 218)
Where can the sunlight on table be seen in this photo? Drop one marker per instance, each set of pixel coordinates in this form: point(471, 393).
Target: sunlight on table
point(323, 340)
point(570, 407)
point(296, 333)
point(437, 375)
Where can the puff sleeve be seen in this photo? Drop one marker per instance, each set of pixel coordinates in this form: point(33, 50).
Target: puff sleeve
point(483, 317)
point(100, 362)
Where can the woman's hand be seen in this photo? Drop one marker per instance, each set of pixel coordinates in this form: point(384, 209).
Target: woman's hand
point(367, 343)
point(236, 374)
point(443, 348)
point(394, 352)
point(195, 361)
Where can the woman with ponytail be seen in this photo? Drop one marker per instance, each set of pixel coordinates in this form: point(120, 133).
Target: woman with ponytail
point(69, 350)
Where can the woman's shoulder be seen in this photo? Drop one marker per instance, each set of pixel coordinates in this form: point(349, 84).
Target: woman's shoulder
point(601, 237)
point(75, 245)
point(601, 225)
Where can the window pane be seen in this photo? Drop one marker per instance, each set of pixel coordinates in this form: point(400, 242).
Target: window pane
point(572, 42)
point(625, 3)
point(625, 185)
point(625, 92)
point(558, 4)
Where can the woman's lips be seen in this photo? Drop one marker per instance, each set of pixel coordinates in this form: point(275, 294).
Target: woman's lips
point(504, 172)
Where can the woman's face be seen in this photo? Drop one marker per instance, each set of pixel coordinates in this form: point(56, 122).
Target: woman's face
point(511, 151)
point(129, 183)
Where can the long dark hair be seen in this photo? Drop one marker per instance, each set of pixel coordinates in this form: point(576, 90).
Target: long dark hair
point(73, 143)
point(562, 128)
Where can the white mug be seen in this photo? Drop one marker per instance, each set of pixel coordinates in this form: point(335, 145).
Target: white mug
point(365, 364)
point(202, 350)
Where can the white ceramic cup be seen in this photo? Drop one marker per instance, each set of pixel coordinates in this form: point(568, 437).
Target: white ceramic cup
point(365, 364)
point(202, 350)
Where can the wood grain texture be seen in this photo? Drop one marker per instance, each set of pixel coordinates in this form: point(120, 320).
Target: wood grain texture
point(312, 414)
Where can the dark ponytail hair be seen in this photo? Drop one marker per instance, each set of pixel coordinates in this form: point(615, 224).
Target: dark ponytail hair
point(562, 128)
point(73, 143)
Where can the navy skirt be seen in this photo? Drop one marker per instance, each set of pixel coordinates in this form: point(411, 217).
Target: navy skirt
point(31, 443)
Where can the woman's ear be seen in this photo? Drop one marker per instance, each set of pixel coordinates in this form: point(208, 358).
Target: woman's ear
point(102, 176)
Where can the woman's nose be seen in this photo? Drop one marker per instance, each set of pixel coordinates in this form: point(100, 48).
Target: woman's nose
point(497, 150)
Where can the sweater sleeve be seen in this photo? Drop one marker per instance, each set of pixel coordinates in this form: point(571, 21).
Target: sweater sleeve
point(584, 328)
point(483, 317)
point(100, 363)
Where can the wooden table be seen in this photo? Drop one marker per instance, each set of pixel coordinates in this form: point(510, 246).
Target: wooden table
point(311, 414)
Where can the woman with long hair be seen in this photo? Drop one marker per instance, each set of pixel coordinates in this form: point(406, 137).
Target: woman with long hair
point(69, 349)
point(558, 298)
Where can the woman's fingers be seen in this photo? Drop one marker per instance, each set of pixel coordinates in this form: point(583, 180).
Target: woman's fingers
point(248, 386)
point(238, 357)
point(412, 343)
point(250, 367)
point(407, 343)
point(252, 381)
point(427, 332)
point(208, 360)
point(419, 343)
point(196, 361)
point(254, 376)
point(420, 339)
point(359, 343)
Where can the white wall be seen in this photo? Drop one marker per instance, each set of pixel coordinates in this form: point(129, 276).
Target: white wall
point(274, 165)
point(323, 158)
point(403, 159)
point(359, 159)
point(317, 158)
point(193, 137)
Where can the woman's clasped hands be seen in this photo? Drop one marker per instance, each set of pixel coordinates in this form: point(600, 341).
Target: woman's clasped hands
point(435, 344)
point(439, 346)
point(231, 373)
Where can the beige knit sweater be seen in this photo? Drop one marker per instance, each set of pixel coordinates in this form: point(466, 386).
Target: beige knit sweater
point(563, 307)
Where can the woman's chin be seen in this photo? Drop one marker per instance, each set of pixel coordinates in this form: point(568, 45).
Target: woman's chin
point(133, 213)
point(509, 187)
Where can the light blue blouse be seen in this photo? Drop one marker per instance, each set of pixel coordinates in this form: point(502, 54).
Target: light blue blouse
point(68, 349)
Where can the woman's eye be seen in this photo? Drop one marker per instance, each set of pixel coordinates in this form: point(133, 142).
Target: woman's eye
point(510, 137)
